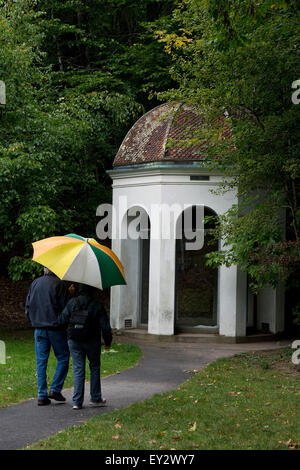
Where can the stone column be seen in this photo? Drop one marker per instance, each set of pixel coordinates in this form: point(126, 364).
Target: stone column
point(115, 293)
point(232, 302)
point(270, 309)
point(119, 226)
point(162, 287)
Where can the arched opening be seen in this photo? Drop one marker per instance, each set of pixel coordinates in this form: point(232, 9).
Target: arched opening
point(136, 257)
point(144, 257)
point(196, 284)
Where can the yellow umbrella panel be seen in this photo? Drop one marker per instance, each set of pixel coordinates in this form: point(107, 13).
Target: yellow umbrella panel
point(74, 258)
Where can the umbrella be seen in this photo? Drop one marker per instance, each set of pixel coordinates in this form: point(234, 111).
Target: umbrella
point(74, 258)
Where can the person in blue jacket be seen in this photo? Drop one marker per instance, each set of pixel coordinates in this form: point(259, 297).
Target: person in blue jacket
point(85, 342)
point(47, 297)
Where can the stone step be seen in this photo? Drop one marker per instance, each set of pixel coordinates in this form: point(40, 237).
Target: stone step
point(142, 334)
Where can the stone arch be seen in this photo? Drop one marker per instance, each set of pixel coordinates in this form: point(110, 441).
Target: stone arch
point(135, 254)
point(196, 285)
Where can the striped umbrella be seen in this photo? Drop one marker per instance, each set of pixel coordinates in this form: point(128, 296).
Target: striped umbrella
point(78, 259)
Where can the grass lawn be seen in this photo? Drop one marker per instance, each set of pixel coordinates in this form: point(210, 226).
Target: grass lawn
point(249, 401)
point(18, 376)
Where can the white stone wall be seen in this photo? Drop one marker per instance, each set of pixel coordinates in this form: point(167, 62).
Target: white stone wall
point(147, 187)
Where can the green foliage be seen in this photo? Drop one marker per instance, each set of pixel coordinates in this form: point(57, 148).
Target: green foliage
point(76, 74)
point(98, 45)
point(237, 60)
point(296, 315)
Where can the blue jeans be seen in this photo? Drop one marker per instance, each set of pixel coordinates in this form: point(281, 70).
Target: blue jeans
point(44, 339)
point(79, 352)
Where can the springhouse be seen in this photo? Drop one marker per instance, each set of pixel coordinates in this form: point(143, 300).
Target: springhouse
point(169, 286)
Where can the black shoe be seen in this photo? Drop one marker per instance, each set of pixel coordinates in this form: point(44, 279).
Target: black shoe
point(44, 401)
point(101, 402)
point(56, 396)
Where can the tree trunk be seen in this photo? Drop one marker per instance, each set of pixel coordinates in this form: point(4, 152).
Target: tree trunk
point(58, 51)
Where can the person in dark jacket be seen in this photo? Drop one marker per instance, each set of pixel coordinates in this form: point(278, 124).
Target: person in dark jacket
point(88, 348)
point(46, 298)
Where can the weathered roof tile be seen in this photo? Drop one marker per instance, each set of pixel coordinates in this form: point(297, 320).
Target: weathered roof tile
point(158, 135)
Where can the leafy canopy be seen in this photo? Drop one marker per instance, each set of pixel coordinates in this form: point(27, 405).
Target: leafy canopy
point(237, 60)
point(76, 75)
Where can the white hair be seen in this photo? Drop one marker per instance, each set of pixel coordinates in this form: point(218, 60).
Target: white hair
point(47, 271)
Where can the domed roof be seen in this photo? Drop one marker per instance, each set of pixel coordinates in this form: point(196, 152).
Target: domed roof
point(168, 123)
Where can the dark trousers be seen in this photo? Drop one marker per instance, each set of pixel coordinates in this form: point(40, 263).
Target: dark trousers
point(79, 352)
point(44, 339)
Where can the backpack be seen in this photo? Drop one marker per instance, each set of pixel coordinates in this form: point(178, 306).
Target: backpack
point(80, 323)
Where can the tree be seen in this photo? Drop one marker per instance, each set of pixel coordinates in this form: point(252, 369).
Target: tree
point(237, 60)
point(55, 142)
point(77, 75)
point(96, 45)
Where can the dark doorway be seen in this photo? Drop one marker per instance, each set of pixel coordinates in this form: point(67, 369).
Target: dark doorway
point(196, 284)
point(144, 244)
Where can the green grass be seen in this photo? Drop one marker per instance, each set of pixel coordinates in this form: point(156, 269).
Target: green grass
point(18, 380)
point(245, 402)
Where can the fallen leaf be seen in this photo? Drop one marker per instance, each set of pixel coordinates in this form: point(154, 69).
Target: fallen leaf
point(118, 425)
point(116, 436)
point(193, 427)
point(290, 444)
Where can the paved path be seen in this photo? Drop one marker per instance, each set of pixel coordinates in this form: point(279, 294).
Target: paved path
point(162, 368)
